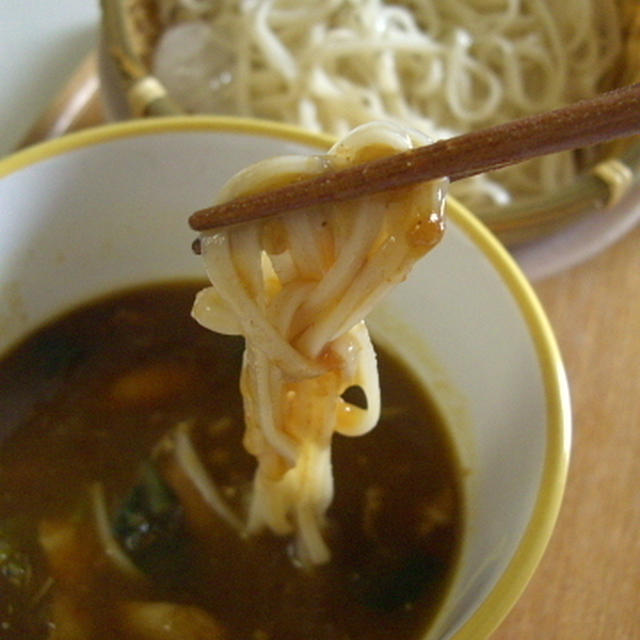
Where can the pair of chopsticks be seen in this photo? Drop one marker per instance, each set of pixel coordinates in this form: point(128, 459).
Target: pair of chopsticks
point(611, 115)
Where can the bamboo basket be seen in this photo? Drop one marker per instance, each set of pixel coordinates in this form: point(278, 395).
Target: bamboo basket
point(130, 29)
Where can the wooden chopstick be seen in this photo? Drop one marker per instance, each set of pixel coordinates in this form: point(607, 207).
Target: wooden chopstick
point(606, 117)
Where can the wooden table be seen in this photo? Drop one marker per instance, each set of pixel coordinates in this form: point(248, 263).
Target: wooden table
point(588, 584)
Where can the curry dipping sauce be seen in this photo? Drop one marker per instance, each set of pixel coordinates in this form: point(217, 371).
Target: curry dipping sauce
point(103, 535)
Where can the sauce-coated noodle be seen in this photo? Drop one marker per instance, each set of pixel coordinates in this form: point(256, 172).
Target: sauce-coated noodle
point(298, 289)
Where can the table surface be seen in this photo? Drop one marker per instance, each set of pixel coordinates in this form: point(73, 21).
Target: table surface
point(588, 583)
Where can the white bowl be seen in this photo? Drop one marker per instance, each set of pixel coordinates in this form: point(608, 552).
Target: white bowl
point(107, 208)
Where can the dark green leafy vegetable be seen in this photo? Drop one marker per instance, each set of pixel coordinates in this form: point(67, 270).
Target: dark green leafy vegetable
point(15, 566)
point(150, 522)
point(17, 587)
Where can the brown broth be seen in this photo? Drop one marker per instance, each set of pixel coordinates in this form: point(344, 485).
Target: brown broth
point(86, 398)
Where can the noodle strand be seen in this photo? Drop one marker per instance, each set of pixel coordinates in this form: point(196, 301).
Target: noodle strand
point(444, 67)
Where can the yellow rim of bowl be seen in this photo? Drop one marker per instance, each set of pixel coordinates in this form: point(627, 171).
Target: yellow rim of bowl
point(491, 612)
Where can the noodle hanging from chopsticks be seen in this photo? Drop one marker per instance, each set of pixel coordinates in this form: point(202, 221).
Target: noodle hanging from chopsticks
point(298, 288)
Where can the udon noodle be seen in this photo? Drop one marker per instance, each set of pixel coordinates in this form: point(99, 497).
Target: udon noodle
point(441, 66)
point(298, 289)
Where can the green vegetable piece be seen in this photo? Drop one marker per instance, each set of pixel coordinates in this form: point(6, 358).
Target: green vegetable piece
point(15, 566)
point(16, 584)
point(150, 521)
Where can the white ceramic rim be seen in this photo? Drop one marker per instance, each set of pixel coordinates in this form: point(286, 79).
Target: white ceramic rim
point(512, 582)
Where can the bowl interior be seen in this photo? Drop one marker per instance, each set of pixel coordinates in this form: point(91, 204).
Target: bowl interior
point(107, 209)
